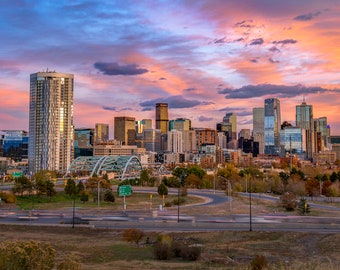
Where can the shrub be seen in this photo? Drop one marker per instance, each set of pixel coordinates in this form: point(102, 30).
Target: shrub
point(29, 255)
point(133, 235)
point(181, 201)
point(69, 263)
point(162, 251)
point(191, 253)
point(109, 196)
point(288, 201)
point(8, 197)
point(258, 263)
point(84, 196)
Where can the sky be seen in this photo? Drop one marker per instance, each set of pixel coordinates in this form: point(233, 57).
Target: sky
point(204, 58)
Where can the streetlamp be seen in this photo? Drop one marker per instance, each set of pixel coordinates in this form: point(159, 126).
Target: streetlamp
point(98, 195)
point(181, 180)
point(250, 214)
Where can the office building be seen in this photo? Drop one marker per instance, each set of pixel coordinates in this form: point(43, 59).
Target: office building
point(258, 128)
point(151, 140)
point(230, 118)
point(50, 121)
point(125, 130)
point(14, 144)
point(304, 120)
point(180, 124)
point(272, 125)
point(321, 127)
point(293, 141)
point(245, 133)
point(143, 124)
point(175, 141)
point(83, 142)
point(205, 136)
point(101, 132)
point(162, 117)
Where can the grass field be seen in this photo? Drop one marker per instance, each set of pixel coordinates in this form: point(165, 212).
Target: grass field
point(106, 249)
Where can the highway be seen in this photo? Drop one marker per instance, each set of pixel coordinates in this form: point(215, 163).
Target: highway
point(167, 220)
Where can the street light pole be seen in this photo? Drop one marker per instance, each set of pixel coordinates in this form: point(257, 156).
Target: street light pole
point(250, 214)
point(98, 190)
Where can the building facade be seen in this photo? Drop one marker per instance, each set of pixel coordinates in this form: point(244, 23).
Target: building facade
point(125, 130)
point(101, 132)
point(272, 126)
point(162, 117)
point(304, 120)
point(83, 142)
point(51, 121)
point(180, 124)
point(14, 144)
point(258, 128)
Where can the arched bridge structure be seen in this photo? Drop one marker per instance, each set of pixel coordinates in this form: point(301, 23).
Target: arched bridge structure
point(123, 167)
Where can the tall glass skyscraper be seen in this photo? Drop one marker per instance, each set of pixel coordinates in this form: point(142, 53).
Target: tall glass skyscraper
point(51, 126)
point(258, 127)
point(304, 120)
point(272, 126)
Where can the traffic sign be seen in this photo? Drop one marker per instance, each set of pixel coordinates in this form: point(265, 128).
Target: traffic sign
point(124, 190)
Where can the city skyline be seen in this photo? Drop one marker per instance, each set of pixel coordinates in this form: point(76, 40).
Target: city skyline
point(204, 59)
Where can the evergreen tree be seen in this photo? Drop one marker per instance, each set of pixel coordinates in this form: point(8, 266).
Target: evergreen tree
point(303, 207)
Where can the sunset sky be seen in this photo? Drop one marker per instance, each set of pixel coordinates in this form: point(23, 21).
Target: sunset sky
point(204, 58)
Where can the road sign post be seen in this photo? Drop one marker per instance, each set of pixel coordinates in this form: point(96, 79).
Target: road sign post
point(124, 191)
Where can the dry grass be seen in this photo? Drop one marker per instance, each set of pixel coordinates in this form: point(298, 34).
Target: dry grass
point(106, 249)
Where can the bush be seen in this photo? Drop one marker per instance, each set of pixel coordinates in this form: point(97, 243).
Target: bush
point(109, 196)
point(133, 235)
point(28, 255)
point(288, 201)
point(181, 201)
point(258, 263)
point(84, 196)
point(191, 253)
point(162, 251)
point(8, 197)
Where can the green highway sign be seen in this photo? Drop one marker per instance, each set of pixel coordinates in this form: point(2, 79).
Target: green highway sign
point(16, 174)
point(124, 190)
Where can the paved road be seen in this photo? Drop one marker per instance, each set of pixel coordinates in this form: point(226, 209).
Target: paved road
point(168, 219)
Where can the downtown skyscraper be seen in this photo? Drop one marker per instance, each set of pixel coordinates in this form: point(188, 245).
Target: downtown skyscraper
point(304, 120)
point(162, 117)
point(51, 126)
point(272, 126)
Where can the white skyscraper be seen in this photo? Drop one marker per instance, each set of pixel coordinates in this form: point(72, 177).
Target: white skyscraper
point(50, 121)
point(175, 141)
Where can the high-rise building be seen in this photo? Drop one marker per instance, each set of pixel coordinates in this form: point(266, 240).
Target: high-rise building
point(152, 140)
point(14, 144)
point(304, 120)
point(175, 141)
point(272, 126)
point(125, 130)
point(245, 133)
point(180, 124)
point(293, 140)
point(162, 117)
point(143, 124)
point(321, 127)
point(230, 118)
point(83, 142)
point(101, 132)
point(258, 128)
point(51, 121)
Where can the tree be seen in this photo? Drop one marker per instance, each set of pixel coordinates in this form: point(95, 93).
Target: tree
point(145, 176)
point(288, 201)
point(284, 178)
point(162, 190)
point(84, 196)
point(70, 188)
point(21, 185)
point(312, 187)
point(303, 207)
point(109, 196)
point(193, 181)
point(80, 187)
point(50, 190)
